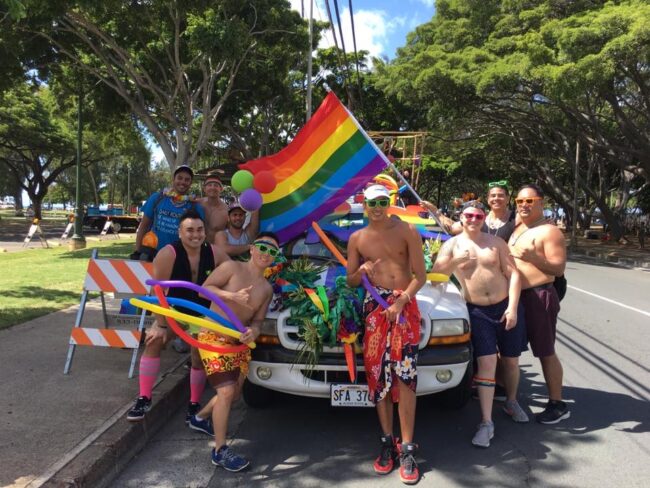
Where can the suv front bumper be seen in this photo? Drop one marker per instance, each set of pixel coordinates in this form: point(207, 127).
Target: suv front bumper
point(287, 376)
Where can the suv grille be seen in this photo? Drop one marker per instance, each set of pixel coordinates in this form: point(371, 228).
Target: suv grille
point(288, 335)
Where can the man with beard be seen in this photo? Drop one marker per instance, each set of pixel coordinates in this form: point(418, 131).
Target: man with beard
point(162, 212)
point(236, 238)
point(192, 259)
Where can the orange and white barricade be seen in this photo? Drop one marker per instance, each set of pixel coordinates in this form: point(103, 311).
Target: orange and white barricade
point(123, 278)
point(34, 229)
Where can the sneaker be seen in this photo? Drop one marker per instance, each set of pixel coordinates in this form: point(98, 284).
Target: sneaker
point(500, 394)
point(386, 459)
point(554, 412)
point(517, 413)
point(228, 460)
point(192, 409)
point(408, 467)
point(484, 434)
point(204, 425)
point(179, 345)
point(142, 406)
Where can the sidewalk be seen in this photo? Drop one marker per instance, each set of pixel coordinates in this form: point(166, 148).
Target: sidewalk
point(70, 430)
point(627, 255)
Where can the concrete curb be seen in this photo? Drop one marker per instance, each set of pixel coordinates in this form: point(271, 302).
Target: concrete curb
point(612, 258)
point(103, 459)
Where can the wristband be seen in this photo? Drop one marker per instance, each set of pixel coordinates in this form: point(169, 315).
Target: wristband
point(407, 296)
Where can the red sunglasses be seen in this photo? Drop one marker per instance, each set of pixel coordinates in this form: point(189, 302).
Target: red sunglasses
point(474, 216)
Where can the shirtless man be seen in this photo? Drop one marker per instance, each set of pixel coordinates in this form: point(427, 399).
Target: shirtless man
point(188, 259)
point(243, 286)
point(216, 211)
point(236, 238)
point(389, 252)
point(491, 287)
point(540, 256)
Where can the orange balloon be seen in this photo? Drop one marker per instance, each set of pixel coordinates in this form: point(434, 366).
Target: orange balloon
point(150, 239)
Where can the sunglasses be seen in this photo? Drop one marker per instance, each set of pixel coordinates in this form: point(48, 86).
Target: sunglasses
point(383, 203)
point(529, 200)
point(473, 216)
point(501, 183)
point(266, 249)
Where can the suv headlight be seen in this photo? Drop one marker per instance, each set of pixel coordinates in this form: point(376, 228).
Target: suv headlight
point(448, 327)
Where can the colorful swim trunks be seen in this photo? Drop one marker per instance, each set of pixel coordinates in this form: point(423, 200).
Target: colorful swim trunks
point(390, 350)
point(215, 362)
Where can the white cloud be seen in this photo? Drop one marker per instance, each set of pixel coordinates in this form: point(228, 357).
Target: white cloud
point(427, 3)
point(372, 27)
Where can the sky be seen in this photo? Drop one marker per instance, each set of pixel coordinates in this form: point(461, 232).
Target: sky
point(381, 26)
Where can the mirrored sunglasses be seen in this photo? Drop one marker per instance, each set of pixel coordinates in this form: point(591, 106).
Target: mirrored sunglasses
point(380, 202)
point(529, 201)
point(266, 249)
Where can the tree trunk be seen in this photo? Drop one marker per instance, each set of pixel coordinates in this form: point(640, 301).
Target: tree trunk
point(37, 205)
point(18, 199)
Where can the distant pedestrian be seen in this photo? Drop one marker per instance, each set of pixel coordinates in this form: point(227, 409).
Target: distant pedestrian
point(642, 235)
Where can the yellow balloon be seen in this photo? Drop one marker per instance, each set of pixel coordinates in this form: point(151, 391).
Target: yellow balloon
point(439, 277)
point(175, 314)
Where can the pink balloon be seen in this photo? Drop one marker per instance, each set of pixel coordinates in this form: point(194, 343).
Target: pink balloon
point(264, 182)
point(250, 200)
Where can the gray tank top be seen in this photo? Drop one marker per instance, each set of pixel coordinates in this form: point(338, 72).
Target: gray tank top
point(237, 241)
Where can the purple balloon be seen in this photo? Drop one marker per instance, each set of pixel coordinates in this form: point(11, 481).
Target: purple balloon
point(250, 200)
point(375, 294)
point(206, 293)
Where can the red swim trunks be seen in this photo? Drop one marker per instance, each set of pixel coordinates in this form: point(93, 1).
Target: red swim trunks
point(390, 350)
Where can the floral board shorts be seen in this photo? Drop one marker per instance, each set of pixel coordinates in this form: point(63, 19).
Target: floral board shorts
point(216, 363)
point(390, 350)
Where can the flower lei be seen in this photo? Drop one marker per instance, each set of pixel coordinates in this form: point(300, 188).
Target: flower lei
point(177, 197)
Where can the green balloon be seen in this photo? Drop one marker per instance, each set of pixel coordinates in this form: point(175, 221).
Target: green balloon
point(242, 180)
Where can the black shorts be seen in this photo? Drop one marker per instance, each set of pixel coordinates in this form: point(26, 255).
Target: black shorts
point(489, 334)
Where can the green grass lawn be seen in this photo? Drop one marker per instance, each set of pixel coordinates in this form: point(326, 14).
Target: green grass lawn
point(36, 282)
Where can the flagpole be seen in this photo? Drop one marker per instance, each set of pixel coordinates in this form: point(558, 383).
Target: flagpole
point(386, 160)
point(309, 60)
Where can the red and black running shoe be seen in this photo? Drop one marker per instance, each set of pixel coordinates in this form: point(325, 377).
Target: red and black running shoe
point(386, 460)
point(408, 467)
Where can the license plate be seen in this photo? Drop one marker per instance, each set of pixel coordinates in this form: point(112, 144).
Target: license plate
point(346, 395)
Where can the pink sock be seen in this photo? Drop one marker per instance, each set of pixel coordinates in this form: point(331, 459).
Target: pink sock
point(197, 384)
point(149, 368)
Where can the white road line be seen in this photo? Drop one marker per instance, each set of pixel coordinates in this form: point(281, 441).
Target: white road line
point(610, 300)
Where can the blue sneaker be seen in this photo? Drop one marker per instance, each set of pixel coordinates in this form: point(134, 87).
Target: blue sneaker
point(204, 425)
point(228, 460)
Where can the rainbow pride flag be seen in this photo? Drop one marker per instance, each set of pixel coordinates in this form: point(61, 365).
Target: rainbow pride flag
point(329, 160)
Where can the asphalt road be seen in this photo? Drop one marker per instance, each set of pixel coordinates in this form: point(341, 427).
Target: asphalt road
point(603, 346)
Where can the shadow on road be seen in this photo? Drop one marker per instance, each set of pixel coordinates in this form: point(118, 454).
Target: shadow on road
point(303, 442)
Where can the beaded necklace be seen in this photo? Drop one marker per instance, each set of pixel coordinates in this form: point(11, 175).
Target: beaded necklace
point(492, 226)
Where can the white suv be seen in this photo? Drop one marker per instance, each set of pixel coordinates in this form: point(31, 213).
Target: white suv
point(444, 359)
